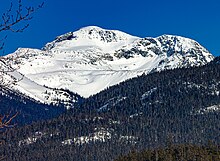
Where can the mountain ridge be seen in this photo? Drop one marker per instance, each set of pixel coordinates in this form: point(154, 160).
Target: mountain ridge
point(91, 59)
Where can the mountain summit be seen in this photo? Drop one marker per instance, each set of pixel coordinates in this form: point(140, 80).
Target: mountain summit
point(91, 59)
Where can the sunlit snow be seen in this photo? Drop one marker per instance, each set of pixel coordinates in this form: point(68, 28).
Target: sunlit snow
point(92, 59)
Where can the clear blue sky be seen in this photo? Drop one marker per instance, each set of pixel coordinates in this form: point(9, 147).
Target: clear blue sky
point(196, 19)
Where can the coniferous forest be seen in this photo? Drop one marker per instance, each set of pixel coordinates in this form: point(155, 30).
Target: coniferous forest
point(169, 115)
point(175, 152)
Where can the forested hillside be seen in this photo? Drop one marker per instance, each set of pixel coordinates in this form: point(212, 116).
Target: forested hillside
point(179, 106)
point(28, 109)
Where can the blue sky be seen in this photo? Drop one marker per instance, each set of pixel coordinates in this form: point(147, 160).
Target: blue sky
point(196, 19)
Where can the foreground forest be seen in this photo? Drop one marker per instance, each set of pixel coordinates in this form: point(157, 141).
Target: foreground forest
point(184, 152)
point(179, 106)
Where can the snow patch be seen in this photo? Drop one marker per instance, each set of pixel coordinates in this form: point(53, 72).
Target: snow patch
point(100, 135)
point(210, 109)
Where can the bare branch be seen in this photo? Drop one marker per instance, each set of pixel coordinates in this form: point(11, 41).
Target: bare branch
point(8, 20)
point(12, 19)
point(15, 19)
point(5, 120)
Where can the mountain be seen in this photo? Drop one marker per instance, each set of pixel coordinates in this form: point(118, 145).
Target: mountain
point(160, 110)
point(92, 59)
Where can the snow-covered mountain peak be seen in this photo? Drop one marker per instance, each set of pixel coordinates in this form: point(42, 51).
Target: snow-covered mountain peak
point(168, 46)
point(191, 51)
point(178, 42)
point(89, 28)
point(104, 35)
point(91, 35)
point(91, 59)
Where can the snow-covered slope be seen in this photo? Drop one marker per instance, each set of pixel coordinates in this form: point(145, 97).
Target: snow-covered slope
point(92, 59)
